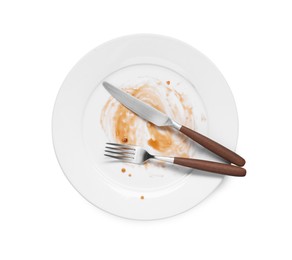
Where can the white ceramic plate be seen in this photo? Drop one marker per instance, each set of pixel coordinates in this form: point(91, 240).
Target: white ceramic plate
point(155, 191)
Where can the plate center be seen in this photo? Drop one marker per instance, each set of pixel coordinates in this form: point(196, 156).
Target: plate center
point(106, 120)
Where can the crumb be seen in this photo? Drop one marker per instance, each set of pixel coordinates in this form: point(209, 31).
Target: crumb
point(168, 82)
point(125, 140)
point(123, 170)
point(142, 197)
point(130, 175)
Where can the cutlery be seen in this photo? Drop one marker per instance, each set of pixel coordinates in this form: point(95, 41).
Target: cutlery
point(138, 155)
point(160, 119)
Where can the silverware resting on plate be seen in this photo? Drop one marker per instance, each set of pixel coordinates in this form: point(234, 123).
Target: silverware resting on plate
point(135, 154)
point(138, 155)
point(160, 119)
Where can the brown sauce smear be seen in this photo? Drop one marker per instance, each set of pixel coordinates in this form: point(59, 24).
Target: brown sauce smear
point(123, 120)
point(162, 139)
point(159, 140)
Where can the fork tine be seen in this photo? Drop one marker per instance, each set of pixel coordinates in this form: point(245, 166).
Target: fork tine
point(124, 146)
point(132, 151)
point(119, 152)
point(119, 157)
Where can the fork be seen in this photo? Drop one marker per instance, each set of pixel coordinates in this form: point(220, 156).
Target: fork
point(138, 155)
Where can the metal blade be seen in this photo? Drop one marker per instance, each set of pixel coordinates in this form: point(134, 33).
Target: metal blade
point(140, 108)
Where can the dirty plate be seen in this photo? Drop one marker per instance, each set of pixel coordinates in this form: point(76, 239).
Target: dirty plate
point(163, 72)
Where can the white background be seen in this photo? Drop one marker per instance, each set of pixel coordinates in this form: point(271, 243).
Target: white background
point(43, 217)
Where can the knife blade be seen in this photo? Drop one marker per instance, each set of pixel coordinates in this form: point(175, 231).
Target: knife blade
point(143, 110)
point(160, 119)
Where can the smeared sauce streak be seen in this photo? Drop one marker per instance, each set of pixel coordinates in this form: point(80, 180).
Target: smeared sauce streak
point(124, 119)
point(161, 138)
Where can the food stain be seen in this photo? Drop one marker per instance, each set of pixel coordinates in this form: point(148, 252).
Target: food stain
point(123, 126)
point(130, 175)
point(125, 140)
point(168, 82)
point(141, 197)
point(124, 119)
point(159, 140)
point(123, 170)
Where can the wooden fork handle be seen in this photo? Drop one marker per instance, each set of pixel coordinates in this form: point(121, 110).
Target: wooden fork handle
point(213, 146)
point(220, 168)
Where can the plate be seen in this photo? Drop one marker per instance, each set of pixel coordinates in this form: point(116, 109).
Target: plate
point(168, 72)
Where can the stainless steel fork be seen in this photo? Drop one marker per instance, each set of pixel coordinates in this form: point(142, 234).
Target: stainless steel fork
point(138, 155)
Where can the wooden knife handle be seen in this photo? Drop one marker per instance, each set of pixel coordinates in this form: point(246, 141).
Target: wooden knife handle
point(213, 146)
point(220, 168)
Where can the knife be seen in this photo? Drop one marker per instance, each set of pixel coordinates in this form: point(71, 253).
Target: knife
point(158, 118)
